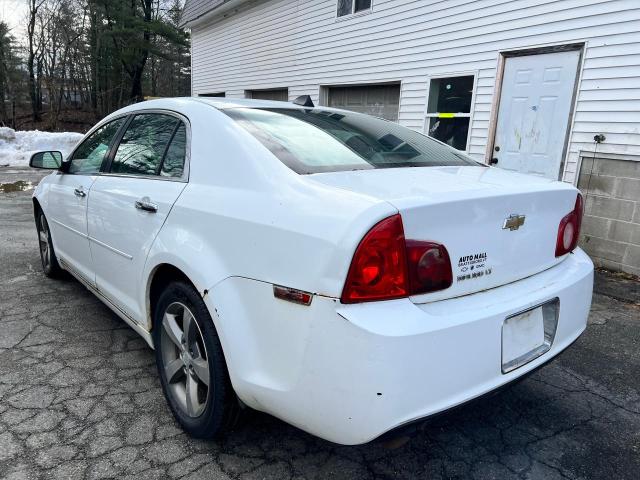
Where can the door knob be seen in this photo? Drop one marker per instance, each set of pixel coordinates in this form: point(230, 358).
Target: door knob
point(146, 204)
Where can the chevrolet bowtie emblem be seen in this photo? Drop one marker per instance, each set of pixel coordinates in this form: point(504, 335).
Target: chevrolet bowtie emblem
point(513, 222)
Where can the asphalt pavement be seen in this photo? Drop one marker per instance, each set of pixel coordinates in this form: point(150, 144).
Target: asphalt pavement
point(80, 397)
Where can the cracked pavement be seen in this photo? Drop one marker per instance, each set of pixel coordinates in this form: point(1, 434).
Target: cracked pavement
point(80, 398)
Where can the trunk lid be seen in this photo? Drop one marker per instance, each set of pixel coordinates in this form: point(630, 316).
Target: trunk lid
point(465, 209)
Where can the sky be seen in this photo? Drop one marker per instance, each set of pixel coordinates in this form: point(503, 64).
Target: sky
point(13, 13)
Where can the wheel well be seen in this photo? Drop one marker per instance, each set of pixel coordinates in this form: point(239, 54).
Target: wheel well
point(36, 206)
point(163, 275)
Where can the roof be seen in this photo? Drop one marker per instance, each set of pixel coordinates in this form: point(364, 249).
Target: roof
point(180, 103)
point(195, 10)
point(222, 103)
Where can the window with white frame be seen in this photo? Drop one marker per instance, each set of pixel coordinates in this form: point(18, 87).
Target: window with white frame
point(349, 7)
point(449, 109)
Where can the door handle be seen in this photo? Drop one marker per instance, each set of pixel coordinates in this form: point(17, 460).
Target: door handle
point(146, 204)
point(79, 192)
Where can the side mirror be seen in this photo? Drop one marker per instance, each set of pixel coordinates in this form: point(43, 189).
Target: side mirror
point(46, 160)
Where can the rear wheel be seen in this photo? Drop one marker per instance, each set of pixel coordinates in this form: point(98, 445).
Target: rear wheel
point(191, 364)
point(50, 264)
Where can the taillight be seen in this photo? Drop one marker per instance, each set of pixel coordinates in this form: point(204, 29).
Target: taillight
point(386, 266)
point(379, 266)
point(569, 229)
point(429, 267)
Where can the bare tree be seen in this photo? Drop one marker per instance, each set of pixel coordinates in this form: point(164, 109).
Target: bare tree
point(86, 58)
point(34, 7)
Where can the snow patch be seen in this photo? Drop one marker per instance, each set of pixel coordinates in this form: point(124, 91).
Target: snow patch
point(16, 148)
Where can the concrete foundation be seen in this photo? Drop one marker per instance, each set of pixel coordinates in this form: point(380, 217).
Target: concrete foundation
point(611, 228)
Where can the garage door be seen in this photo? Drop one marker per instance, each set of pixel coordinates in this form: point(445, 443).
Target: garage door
point(279, 94)
point(378, 100)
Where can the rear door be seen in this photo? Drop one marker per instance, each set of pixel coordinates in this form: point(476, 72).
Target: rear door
point(130, 202)
point(67, 200)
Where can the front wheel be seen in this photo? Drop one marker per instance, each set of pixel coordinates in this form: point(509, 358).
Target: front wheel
point(191, 364)
point(50, 264)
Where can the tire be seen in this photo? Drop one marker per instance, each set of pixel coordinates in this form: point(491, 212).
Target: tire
point(184, 360)
point(50, 265)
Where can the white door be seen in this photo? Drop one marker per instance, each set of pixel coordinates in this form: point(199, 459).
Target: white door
point(129, 204)
point(67, 200)
point(67, 214)
point(535, 104)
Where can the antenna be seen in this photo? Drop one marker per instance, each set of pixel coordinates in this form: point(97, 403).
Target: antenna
point(304, 101)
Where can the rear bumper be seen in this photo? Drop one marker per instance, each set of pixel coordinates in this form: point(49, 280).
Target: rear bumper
point(350, 373)
point(411, 427)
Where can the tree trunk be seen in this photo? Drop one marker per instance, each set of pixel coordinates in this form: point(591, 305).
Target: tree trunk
point(136, 70)
point(31, 27)
point(136, 84)
point(39, 86)
point(154, 77)
point(93, 48)
point(3, 83)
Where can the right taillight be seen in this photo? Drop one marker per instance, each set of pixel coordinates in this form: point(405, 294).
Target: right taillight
point(569, 229)
point(387, 266)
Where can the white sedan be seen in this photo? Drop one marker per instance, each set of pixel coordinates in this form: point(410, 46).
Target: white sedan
point(341, 272)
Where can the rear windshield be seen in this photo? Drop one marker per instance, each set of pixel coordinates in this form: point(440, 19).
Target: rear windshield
point(316, 140)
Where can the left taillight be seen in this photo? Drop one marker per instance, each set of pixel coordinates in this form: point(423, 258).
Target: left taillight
point(569, 229)
point(378, 269)
point(386, 265)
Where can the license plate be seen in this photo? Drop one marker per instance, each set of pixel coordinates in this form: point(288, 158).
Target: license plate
point(528, 334)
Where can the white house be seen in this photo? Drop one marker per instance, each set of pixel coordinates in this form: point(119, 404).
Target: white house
point(523, 84)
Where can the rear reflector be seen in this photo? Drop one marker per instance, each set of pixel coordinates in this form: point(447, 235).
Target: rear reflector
point(292, 295)
point(386, 265)
point(569, 229)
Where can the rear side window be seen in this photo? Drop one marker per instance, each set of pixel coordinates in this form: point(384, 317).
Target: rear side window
point(173, 164)
point(144, 144)
point(316, 140)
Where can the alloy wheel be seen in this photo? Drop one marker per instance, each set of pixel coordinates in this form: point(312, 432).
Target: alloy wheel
point(184, 359)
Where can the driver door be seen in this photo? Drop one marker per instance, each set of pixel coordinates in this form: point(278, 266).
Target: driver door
point(130, 202)
point(68, 196)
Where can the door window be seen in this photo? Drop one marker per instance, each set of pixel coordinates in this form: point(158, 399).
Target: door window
point(87, 158)
point(144, 144)
point(449, 110)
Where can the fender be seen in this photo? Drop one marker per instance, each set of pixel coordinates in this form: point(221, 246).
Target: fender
point(196, 259)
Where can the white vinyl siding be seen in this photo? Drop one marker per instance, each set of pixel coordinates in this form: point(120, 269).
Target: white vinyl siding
point(303, 45)
point(196, 8)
